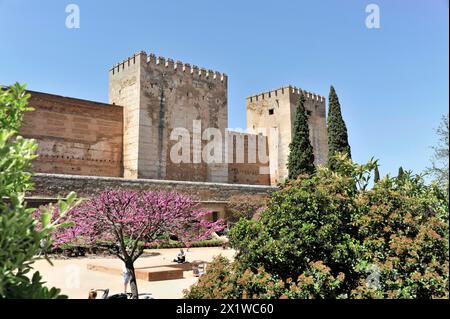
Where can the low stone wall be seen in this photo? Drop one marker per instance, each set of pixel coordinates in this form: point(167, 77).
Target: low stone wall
point(47, 186)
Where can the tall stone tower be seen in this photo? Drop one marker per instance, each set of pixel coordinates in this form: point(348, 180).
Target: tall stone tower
point(273, 113)
point(159, 95)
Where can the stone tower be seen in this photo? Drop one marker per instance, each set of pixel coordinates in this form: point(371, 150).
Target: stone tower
point(273, 113)
point(159, 95)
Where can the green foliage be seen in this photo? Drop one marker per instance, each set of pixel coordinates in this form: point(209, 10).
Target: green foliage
point(439, 162)
point(226, 280)
point(14, 103)
point(301, 156)
point(19, 240)
point(337, 130)
point(308, 220)
point(244, 206)
point(403, 233)
point(376, 177)
point(401, 173)
point(317, 282)
point(342, 239)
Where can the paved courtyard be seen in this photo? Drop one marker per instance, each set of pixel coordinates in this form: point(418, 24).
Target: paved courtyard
point(75, 280)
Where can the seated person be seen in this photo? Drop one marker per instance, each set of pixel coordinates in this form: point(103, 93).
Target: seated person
point(181, 257)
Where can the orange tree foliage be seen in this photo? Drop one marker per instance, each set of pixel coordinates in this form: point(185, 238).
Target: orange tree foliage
point(330, 235)
point(225, 280)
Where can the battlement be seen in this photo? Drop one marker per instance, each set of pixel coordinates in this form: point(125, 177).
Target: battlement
point(286, 90)
point(161, 62)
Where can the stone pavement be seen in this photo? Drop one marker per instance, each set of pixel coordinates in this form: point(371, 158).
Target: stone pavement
point(75, 280)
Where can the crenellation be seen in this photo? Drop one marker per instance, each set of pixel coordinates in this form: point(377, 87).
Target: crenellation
point(281, 91)
point(161, 61)
point(121, 66)
point(179, 66)
point(170, 64)
point(195, 70)
point(167, 63)
point(187, 68)
point(224, 78)
point(151, 58)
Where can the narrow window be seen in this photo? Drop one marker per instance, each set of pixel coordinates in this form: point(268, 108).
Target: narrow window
point(271, 111)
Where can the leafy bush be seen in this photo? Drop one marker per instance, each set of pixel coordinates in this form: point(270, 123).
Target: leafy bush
point(341, 239)
point(403, 234)
point(244, 206)
point(226, 280)
point(20, 241)
point(308, 220)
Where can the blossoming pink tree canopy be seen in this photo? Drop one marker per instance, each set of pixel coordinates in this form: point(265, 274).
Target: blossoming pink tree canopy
point(132, 219)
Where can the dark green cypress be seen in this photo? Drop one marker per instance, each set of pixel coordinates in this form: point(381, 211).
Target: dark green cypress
point(337, 130)
point(401, 173)
point(301, 156)
point(377, 175)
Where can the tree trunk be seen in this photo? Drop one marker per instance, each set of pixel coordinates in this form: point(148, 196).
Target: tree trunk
point(133, 284)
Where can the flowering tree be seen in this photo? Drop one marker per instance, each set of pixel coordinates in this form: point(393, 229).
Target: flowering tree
point(132, 220)
point(60, 214)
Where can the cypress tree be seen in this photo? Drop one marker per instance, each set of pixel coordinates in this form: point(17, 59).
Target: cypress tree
point(301, 156)
point(337, 130)
point(377, 175)
point(401, 173)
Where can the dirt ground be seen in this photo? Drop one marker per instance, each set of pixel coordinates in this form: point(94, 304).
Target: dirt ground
point(75, 280)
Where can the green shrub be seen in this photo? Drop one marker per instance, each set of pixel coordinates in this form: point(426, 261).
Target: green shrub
point(244, 206)
point(226, 280)
point(308, 220)
point(20, 241)
point(331, 236)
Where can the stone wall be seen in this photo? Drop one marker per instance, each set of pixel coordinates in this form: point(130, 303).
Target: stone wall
point(248, 158)
point(214, 196)
point(74, 136)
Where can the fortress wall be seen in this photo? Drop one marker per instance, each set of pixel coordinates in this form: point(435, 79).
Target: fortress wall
point(247, 165)
point(188, 93)
point(316, 111)
point(213, 196)
point(74, 136)
point(124, 86)
point(274, 112)
point(168, 95)
point(277, 127)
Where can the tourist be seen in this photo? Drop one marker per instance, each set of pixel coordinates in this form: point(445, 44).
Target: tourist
point(181, 257)
point(126, 278)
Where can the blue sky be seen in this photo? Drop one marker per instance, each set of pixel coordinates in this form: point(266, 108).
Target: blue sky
point(392, 82)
